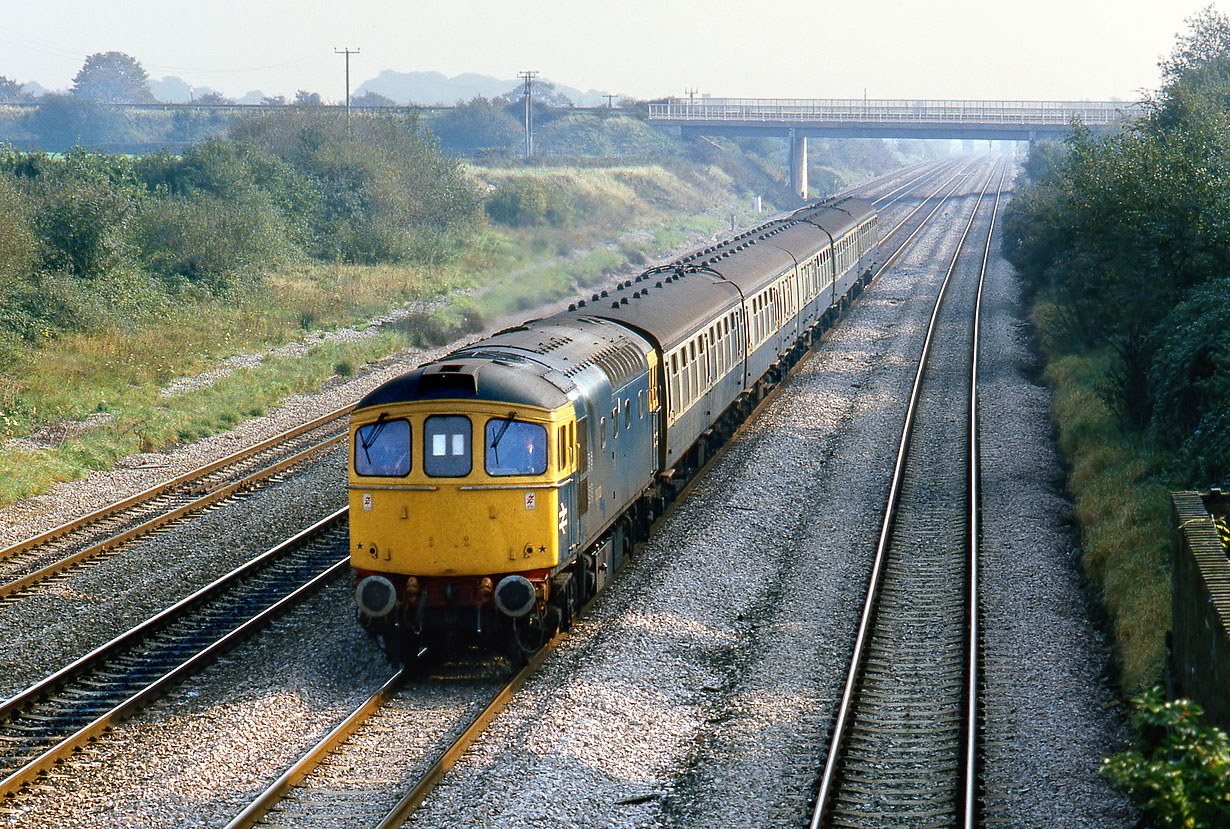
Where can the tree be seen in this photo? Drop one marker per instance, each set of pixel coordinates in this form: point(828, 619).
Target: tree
point(214, 99)
point(10, 91)
point(113, 77)
point(62, 122)
point(274, 100)
point(1207, 42)
point(372, 99)
point(303, 98)
point(544, 93)
point(477, 125)
point(1183, 780)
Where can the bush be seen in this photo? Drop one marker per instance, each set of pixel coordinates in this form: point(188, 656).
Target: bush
point(83, 210)
point(1185, 779)
point(1190, 385)
point(379, 182)
point(207, 240)
point(523, 202)
point(17, 244)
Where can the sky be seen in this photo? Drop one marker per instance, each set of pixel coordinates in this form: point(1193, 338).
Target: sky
point(966, 49)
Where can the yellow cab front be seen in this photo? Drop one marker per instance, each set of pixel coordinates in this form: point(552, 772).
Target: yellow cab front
point(454, 493)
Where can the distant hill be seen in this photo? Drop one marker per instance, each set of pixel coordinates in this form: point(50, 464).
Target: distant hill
point(433, 88)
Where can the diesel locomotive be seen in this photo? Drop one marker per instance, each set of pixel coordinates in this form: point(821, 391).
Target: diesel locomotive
point(495, 490)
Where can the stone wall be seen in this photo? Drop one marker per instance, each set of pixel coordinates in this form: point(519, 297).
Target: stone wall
point(1200, 597)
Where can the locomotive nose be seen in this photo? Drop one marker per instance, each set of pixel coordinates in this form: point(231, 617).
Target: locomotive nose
point(515, 596)
point(375, 596)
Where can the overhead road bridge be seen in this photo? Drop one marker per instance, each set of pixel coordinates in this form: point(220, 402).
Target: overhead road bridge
point(800, 119)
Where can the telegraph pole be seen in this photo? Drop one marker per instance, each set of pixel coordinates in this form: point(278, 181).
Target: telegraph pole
point(347, 51)
point(609, 97)
point(529, 76)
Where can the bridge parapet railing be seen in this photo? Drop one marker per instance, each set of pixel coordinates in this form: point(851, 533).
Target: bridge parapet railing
point(1092, 113)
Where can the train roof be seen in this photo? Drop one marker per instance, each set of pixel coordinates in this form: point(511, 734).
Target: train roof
point(527, 364)
point(837, 216)
point(666, 302)
point(532, 364)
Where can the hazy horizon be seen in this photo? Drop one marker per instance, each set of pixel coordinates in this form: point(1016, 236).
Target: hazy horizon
point(1102, 50)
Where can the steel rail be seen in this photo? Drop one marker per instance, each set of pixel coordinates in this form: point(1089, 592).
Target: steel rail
point(964, 174)
point(47, 687)
point(301, 768)
point(828, 775)
point(972, 668)
point(277, 791)
point(10, 588)
point(415, 797)
point(173, 483)
point(895, 194)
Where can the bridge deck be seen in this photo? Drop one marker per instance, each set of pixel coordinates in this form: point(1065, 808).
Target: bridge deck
point(777, 111)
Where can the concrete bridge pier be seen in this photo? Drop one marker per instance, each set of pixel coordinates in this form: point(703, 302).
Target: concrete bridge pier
point(798, 164)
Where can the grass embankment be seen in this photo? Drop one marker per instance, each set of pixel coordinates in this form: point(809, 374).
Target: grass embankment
point(1122, 511)
point(617, 216)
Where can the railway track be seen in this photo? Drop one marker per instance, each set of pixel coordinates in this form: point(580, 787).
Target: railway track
point(394, 748)
point(311, 793)
point(49, 721)
point(90, 537)
point(903, 748)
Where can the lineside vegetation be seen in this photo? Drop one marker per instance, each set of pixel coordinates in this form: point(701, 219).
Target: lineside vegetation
point(1124, 245)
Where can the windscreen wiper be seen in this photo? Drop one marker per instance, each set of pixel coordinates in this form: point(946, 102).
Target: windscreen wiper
point(495, 441)
point(369, 440)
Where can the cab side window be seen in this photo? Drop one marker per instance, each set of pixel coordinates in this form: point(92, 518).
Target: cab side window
point(382, 448)
point(514, 447)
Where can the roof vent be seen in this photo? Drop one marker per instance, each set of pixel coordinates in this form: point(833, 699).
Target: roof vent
point(448, 384)
point(628, 283)
point(614, 304)
point(623, 301)
point(604, 294)
point(659, 285)
point(593, 298)
point(572, 306)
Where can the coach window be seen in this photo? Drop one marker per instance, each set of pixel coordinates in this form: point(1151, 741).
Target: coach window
point(627, 412)
point(693, 372)
point(382, 448)
point(514, 447)
point(685, 381)
point(561, 448)
point(673, 391)
point(446, 446)
point(602, 432)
